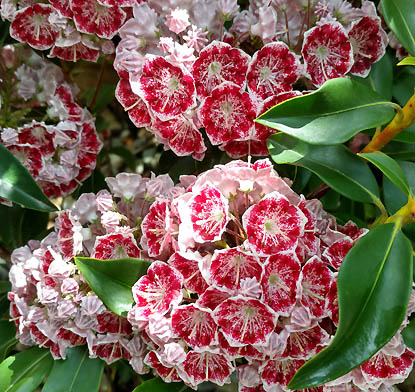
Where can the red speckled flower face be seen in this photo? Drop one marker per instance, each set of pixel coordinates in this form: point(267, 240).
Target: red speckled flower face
point(315, 283)
point(327, 52)
point(93, 18)
point(279, 372)
point(157, 291)
point(229, 266)
point(181, 136)
point(194, 325)
point(132, 104)
point(217, 63)
point(166, 89)
point(193, 279)
point(368, 42)
point(227, 114)
point(115, 246)
point(279, 282)
point(208, 214)
point(156, 228)
point(31, 25)
point(245, 320)
point(273, 70)
point(273, 225)
point(207, 366)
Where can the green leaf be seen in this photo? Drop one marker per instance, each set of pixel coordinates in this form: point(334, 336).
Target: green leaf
point(158, 385)
point(332, 114)
point(337, 166)
point(106, 95)
point(7, 337)
point(18, 186)
point(77, 373)
point(25, 371)
point(380, 77)
point(21, 225)
point(390, 168)
point(399, 15)
point(374, 285)
point(400, 151)
point(407, 61)
point(112, 280)
point(403, 85)
point(5, 286)
point(408, 334)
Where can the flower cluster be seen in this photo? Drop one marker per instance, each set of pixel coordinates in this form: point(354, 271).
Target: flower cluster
point(243, 278)
point(61, 153)
point(72, 29)
point(182, 71)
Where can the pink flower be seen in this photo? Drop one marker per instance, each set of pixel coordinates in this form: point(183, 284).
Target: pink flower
point(178, 20)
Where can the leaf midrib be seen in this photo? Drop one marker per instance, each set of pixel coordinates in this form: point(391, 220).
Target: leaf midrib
point(406, 25)
point(373, 196)
point(332, 113)
point(77, 370)
point(27, 370)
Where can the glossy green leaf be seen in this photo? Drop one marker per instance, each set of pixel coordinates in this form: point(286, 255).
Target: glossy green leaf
point(401, 151)
point(399, 15)
point(112, 280)
point(374, 285)
point(17, 185)
point(337, 166)
point(25, 371)
point(390, 168)
point(21, 225)
point(5, 286)
point(380, 78)
point(332, 114)
point(407, 61)
point(403, 84)
point(408, 334)
point(77, 373)
point(158, 385)
point(7, 337)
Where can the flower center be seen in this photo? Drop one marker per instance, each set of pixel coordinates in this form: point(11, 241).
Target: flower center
point(322, 52)
point(215, 68)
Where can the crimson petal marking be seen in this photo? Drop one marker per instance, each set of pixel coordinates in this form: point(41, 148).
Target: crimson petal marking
point(63, 7)
point(211, 298)
point(245, 320)
point(279, 372)
point(273, 225)
point(237, 149)
point(157, 291)
point(166, 89)
point(93, 18)
point(327, 52)
point(273, 70)
point(193, 279)
point(115, 246)
point(156, 227)
point(385, 367)
point(75, 52)
point(196, 326)
point(168, 374)
point(218, 62)
point(368, 41)
point(182, 136)
point(135, 107)
point(315, 283)
point(303, 344)
point(229, 266)
point(207, 366)
point(247, 351)
point(337, 251)
point(209, 214)
point(279, 282)
point(31, 25)
point(227, 114)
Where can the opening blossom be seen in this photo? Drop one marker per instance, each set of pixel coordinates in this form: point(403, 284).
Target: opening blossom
point(242, 278)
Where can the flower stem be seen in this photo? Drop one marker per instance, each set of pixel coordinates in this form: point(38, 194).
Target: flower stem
point(402, 120)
